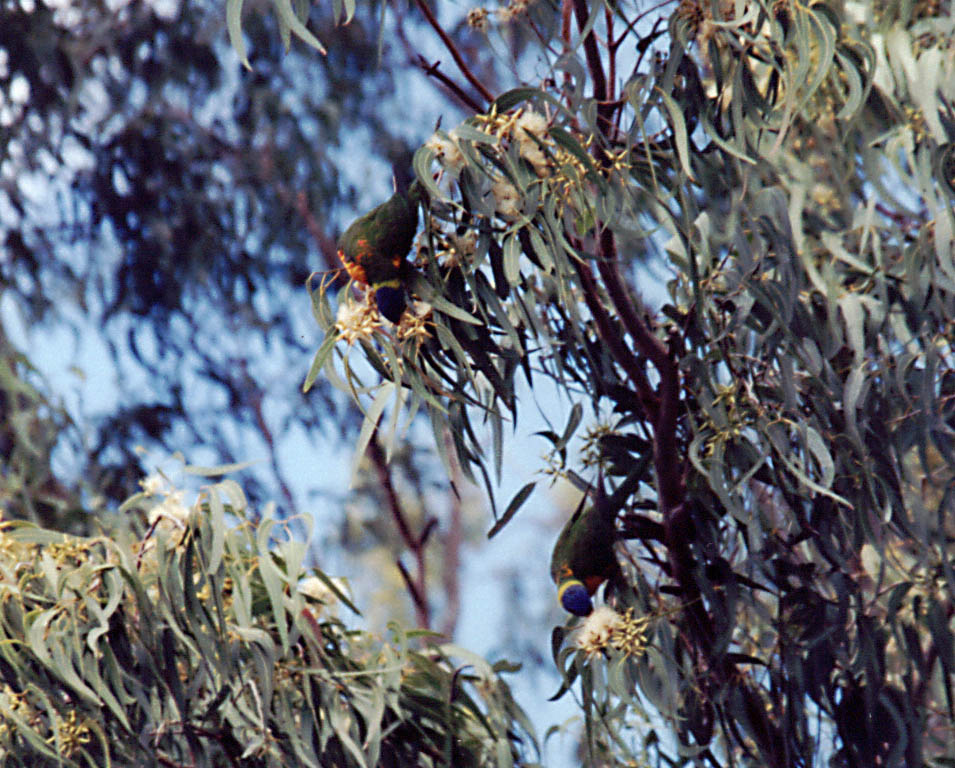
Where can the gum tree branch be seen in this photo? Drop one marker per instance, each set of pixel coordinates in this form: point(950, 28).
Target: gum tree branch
point(611, 335)
point(611, 55)
point(591, 51)
point(417, 587)
point(431, 70)
point(669, 472)
point(455, 53)
point(595, 66)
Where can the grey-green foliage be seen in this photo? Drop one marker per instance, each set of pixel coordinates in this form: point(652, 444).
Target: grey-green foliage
point(199, 643)
point(784, 423)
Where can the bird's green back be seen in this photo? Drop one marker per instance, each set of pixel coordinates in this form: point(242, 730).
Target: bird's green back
point(375, 245)
point(585, 547)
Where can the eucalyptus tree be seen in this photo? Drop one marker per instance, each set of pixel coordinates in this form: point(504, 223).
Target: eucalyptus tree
point(778, 434)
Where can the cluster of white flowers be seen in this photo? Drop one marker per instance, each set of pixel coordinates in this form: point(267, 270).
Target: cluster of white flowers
point(450, 248)
point(446, 150)
point(507, 199)
point(513, 10)
point(171, 512)
point(595, 633)
point(524, 128)
point(478, 19)
point(530, 131)
point(153, 485)
point(414, 322)
point(606, 628)
point(357, 320)
point(464, 245)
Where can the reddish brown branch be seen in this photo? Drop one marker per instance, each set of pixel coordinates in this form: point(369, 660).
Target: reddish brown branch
point(605, 107)
point(391, 495)
point(612, 336)
point(431, 70)
point(669, 471)
point(566, 14)
point(611, 54)
point(669, 464)
point(452, 565)
point(714, 668)
point(417, 594)
point(415, 544)
point(591, 51)
point(453, 50)
point(645, 340)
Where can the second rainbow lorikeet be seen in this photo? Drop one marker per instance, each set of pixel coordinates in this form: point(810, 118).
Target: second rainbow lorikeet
point(583, 556)
point(374, 247)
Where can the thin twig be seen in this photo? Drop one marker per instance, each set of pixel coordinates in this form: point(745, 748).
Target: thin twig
point(415, 545)
point(417, 595)
point(432, 71)
point(455, 53)
point(614, 44)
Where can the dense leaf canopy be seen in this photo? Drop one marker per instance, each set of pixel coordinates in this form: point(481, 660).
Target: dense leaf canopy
point(783, 425)
point(776, 436)
point(202, 640)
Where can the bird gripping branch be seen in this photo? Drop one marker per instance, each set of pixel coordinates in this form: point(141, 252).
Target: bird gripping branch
point(374, 246)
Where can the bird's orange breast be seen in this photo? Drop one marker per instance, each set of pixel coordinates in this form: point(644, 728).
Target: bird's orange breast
point(354, 269)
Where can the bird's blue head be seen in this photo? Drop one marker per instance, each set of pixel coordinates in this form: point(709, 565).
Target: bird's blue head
point(575, 598)
point(391, 301)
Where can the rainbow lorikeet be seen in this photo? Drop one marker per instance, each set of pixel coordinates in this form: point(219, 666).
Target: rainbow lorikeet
point(583, 557)
point(374, 247)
